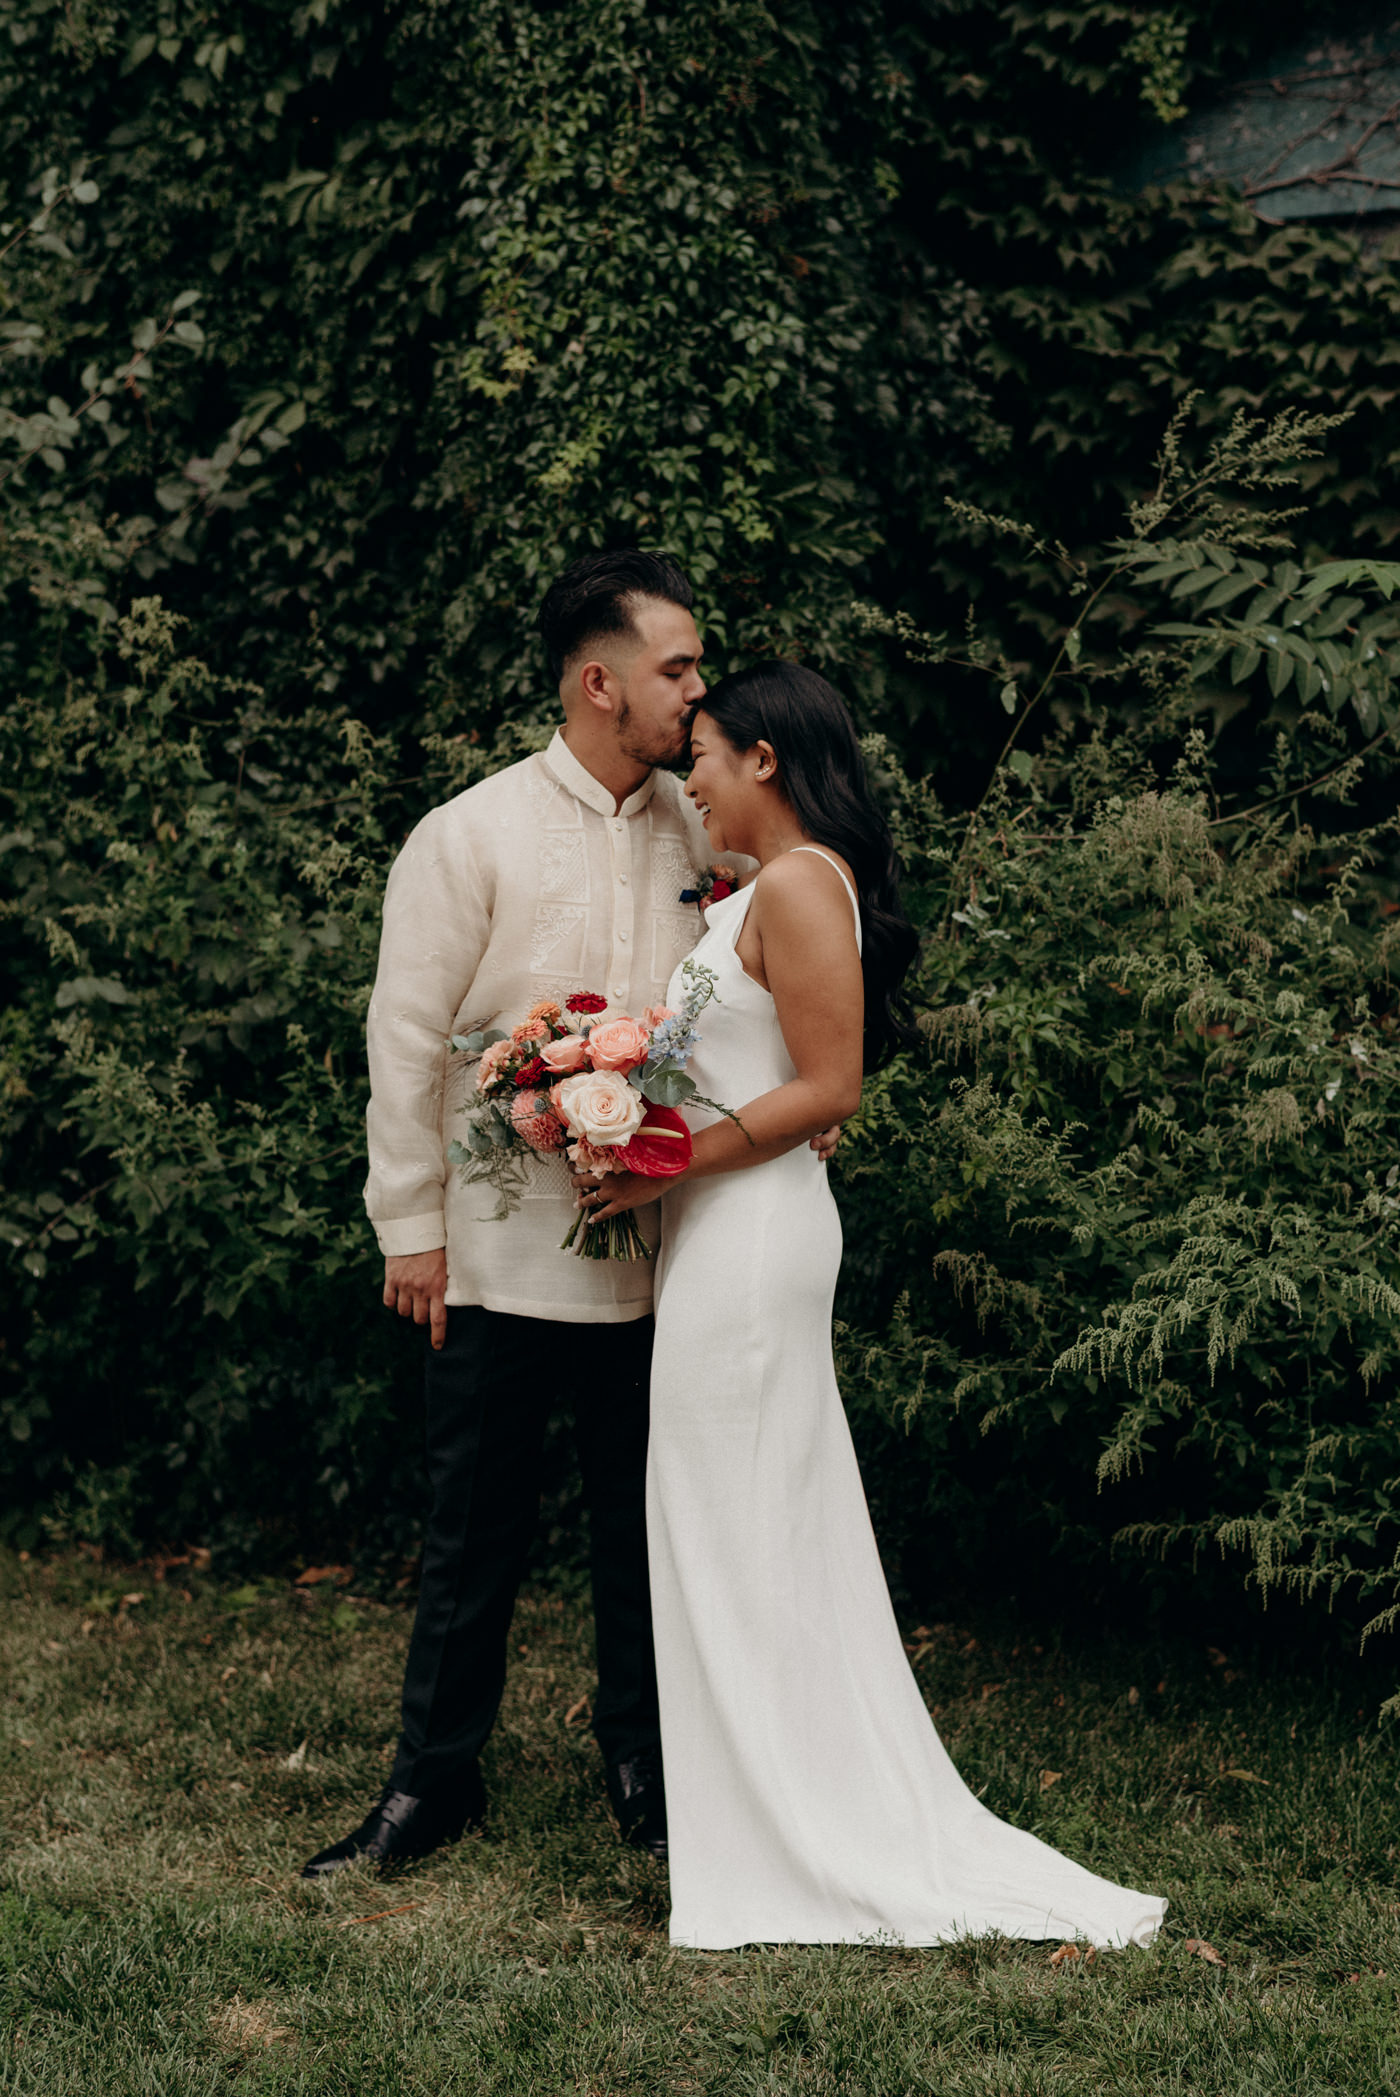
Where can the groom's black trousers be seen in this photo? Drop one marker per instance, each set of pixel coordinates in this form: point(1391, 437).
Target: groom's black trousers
point(490, 1391)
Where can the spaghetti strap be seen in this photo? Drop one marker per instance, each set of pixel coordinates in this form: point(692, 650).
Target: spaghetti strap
point(855, 900)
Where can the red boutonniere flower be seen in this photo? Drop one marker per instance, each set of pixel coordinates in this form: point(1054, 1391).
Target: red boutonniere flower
point(712, 885)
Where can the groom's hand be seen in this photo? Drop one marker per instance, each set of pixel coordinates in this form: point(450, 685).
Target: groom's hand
point(825, 1144)
point(415, 1285)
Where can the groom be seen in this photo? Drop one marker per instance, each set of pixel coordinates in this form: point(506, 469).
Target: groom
point(560, 874)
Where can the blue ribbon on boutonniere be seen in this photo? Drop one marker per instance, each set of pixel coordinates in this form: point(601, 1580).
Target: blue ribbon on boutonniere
point(712, 885)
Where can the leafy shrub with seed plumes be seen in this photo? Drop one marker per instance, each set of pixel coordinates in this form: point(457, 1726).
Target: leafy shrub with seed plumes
point(1126, 1247)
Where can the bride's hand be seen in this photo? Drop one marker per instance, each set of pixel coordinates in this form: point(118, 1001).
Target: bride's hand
point(608, 1194)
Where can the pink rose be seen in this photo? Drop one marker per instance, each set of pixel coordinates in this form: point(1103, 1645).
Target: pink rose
point(600, 1107)
point(569, 1052)
point(657, 1015)
point(619, 1044)
point(499, 1052)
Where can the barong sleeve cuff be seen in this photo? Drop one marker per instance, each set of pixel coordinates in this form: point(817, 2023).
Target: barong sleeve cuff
point(410, 1234)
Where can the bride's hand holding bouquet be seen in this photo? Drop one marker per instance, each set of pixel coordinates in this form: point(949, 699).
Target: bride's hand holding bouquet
point(602, 1090)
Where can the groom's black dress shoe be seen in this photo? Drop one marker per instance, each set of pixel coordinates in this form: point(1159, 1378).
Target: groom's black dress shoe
point(639, 1800)
point(400, 1828)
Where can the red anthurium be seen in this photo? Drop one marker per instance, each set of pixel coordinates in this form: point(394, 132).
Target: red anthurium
point(660, 1148)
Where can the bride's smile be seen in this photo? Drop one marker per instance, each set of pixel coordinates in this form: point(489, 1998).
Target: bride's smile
point(732, 792)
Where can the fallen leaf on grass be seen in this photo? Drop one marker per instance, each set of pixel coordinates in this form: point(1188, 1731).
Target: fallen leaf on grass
point(1199, 1949)
point(297, 1758)
point(1240, 1776)
point(380, 1915)
point(1049, 1777)
point(1067, 1952)
point(576, 1711)
point(242, 2025)
point(315, 1574)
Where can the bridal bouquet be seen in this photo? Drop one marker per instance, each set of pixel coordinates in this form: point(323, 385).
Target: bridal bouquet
point(605, 1090)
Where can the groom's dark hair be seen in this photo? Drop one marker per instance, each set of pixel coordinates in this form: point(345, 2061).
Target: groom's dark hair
point(594, 599)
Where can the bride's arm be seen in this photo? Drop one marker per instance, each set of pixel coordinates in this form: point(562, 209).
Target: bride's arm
point(812, 966)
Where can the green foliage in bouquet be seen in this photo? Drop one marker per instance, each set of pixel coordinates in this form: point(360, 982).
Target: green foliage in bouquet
point(1133, 1225)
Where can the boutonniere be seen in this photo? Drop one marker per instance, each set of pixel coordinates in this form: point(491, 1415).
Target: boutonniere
point(712, 885)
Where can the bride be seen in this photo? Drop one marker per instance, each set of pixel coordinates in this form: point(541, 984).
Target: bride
point(809, 1797)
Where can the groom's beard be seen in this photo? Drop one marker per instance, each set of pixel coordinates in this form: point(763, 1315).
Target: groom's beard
point(651, 749)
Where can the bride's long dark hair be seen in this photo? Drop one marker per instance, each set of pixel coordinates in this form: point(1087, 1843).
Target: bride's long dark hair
point(823, 775)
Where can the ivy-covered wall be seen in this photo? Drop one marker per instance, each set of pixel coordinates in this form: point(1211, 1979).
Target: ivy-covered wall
point(476, 289)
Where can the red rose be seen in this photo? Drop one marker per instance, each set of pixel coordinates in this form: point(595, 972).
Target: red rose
point(720, 890)
point(587, 1001)
point(535, 1072)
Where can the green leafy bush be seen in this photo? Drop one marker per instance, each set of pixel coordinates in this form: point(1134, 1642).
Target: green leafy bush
point(1133, 1236)
point(190, 911)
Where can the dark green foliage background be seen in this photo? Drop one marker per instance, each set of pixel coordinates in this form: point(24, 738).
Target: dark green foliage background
point(341, 328)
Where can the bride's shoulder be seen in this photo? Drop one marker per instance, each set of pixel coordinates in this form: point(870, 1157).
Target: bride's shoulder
point(804, 873)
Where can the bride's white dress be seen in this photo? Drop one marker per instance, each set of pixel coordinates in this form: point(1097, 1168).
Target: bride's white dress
point(809, 1798)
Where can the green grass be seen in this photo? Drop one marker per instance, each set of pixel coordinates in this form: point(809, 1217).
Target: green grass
point(155, 1939)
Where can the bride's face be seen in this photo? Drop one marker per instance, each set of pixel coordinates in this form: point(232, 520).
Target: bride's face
point(719, 785)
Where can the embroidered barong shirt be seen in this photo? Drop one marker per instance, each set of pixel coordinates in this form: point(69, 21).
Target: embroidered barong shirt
point(529, 885)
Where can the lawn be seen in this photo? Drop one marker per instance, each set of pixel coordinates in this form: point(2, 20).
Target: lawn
point(170, 1760)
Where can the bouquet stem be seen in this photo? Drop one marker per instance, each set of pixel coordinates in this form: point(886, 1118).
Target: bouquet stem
point(618, 1238)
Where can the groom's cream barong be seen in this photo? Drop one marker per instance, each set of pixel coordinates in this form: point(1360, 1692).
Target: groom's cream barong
point(526, 886)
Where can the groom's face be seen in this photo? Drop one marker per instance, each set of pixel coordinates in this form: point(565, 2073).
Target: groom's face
point(661, 684)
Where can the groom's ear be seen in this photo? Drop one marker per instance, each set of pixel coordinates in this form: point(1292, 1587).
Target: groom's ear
point(600, 686)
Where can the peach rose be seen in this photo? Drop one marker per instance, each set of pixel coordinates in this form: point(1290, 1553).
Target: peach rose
point(600, 1106)
point(657, 1015)
point(569, 1052)
point(619, 1044)
point(491, 1061)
